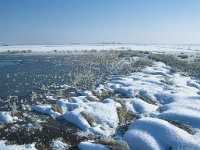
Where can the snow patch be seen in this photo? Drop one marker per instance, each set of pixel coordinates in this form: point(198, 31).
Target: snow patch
point(157, 134)
point(91, 146)
point(5, 117)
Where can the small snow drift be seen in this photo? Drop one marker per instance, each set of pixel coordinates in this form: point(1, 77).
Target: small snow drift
point(138, 106)
point(59, 145)
point(188, 114)
point(91, 146)
point(5, 117)
point(156, 134)
point(96, 117)
point(45, 109)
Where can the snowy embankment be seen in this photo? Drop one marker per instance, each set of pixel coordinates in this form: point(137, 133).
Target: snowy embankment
point(167, 107)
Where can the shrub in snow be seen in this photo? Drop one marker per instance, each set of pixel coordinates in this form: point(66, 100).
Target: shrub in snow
point(89, 118)
point(57, 108)
point(145, 96)
point(122, 114)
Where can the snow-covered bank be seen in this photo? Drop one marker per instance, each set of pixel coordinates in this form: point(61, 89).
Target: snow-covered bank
point(166, 106)
point(160, 94)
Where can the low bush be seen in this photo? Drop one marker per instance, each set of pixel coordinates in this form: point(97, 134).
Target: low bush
point(188, 68)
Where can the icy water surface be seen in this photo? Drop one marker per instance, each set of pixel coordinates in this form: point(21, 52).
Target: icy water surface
point(22, 75)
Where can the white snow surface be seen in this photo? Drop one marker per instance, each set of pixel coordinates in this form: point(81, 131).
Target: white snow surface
point(156, 134)
point(5, 117)
point(103, 114)
point(58, 144)
point(91, 146)
point(45, 109)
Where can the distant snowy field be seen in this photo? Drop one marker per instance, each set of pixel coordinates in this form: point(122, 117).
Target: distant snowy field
point(78, 47)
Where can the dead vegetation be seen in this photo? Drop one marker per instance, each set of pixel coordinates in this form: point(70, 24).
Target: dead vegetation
point(89, 118)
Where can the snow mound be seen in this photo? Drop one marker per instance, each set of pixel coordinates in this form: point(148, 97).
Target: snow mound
point(5, 117)
point(187, 112)
point(96, 117)
point(126, 90)
point(45, 109)
point(91, 146)
point(138, 106)
point(193, 84)
point(57, 144)
point(157, 134)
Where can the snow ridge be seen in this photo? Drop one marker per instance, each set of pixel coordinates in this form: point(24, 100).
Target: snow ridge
point(166, 109)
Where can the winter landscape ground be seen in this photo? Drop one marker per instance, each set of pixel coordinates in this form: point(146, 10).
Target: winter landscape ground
point(99, 96)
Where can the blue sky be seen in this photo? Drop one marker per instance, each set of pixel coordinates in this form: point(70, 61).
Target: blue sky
point(91, 21)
